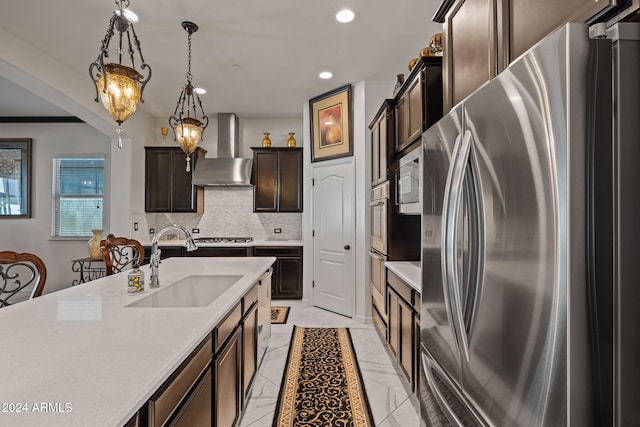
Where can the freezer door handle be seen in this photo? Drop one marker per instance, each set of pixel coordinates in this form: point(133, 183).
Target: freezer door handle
point(439, 394)
point(451, 207)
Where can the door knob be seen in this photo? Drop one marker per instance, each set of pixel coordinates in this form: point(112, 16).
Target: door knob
point(347, 247)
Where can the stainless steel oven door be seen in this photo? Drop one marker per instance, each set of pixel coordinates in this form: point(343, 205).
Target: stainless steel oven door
point(378, 283)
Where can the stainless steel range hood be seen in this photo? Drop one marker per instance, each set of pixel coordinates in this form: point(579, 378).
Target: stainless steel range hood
point(227, 169)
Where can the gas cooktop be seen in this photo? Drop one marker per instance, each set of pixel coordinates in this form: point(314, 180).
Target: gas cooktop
point(223, 239)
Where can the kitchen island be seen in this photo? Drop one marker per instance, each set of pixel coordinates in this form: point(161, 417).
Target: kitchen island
point(81, 357)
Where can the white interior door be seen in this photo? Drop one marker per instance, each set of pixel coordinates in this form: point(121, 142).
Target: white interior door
point(333, 216)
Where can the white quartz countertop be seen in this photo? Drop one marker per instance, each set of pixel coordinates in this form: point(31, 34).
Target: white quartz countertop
point(409, 271)
point(92, 361)
point(252, 243)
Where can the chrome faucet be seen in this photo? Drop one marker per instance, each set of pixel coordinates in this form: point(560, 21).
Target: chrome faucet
point(155, 252)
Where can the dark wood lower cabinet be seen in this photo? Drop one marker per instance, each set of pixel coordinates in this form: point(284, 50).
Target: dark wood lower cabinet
point(249, 350)
point(196, 412)
point(228, 372)
point(286, 282)
point(403, 308)
point(210, 387)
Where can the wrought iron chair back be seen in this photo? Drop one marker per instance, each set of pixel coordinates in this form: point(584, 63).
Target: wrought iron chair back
point(20, 273)
point(121, 253)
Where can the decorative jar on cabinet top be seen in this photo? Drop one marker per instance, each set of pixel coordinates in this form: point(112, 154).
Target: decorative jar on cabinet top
point(291, 142)
point(266, 141)
point(94, 245)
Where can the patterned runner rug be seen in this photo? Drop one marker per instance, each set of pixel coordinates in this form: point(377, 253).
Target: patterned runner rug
point(279, 314)
point(322, 384)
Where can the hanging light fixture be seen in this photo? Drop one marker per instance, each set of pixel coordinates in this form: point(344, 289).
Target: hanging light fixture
point(187, 128)
point(119, 86)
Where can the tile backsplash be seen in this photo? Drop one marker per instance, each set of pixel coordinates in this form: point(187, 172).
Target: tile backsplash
point(228, 212)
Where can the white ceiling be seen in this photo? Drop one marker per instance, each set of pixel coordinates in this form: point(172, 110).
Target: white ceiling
point(257, 58)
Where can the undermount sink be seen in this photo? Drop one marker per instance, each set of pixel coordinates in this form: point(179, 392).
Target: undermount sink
point(192, 291)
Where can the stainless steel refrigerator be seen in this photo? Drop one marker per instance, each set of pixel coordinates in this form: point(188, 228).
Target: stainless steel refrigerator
point(530, 228)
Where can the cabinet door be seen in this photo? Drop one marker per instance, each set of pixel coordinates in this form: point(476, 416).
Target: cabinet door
point(289, 277)
point(167, 185)
point(290, 181)
point(394, 322)
point(265, 169)
point(402, 123)
point(414, 98)
point(470, 57)
point(158, 166)
point(383, 167)
point(531, 21)
point(375, 153)
point(228, 383)
point(407, 351)
point(184, 193)
point(249, 350)
point(197, 410)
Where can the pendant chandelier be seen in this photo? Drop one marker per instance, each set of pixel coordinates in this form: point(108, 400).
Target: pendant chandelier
point(187, 128)
point(120, 86)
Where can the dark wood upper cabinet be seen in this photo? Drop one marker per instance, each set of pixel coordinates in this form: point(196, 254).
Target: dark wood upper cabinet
point(277, 179)
point(482, 37)
point(382, 141)
point(167, 184)
point(418, 104)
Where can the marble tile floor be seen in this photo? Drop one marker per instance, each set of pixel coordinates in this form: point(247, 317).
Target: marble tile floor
point(390, 399)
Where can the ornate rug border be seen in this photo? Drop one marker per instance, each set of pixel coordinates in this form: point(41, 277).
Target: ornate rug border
point(293, 352)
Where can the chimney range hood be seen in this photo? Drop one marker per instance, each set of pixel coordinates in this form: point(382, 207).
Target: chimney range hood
point(227, 169)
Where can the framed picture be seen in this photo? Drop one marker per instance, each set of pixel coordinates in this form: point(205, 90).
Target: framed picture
point(331, 135)
point(15, 178)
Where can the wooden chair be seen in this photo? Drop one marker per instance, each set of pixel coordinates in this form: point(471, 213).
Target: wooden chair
point(19, 273)
point(121, 253)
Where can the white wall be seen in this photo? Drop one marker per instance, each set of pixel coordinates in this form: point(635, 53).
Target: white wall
point(33, 234)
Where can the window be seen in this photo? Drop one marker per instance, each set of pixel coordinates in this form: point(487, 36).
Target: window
point(78, 195)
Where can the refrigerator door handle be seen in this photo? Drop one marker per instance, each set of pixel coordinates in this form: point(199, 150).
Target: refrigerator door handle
point(428, 367)
point(444, 260)
point(453, 197)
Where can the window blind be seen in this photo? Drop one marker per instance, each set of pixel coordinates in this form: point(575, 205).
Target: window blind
point(78, 195)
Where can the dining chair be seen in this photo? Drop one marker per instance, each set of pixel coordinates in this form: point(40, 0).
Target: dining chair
point(22, 277)
point(121, 253)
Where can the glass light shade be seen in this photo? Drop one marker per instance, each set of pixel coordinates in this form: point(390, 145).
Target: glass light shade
point(121, 95)
point(189, 132)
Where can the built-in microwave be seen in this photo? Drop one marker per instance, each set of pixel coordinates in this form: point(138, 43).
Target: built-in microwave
point(408, 184)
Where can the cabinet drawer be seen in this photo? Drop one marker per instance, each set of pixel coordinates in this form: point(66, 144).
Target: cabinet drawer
point(399, 286)
point(164, 403)
point(277, 251)
point(249, 299)
point(225, 329)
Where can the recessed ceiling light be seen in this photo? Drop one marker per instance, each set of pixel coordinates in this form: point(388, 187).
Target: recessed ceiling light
point(200, 91)
point(345, 15)
point(325, 75)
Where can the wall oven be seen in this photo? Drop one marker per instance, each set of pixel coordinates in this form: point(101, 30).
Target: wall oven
point(378, 253)
point(408, 184)
point(379, 213)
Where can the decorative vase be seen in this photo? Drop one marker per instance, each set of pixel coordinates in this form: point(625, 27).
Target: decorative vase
point(412, 63)
point(94, 245)
point(266, 141)
point(291, 142)
point(399, 81)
